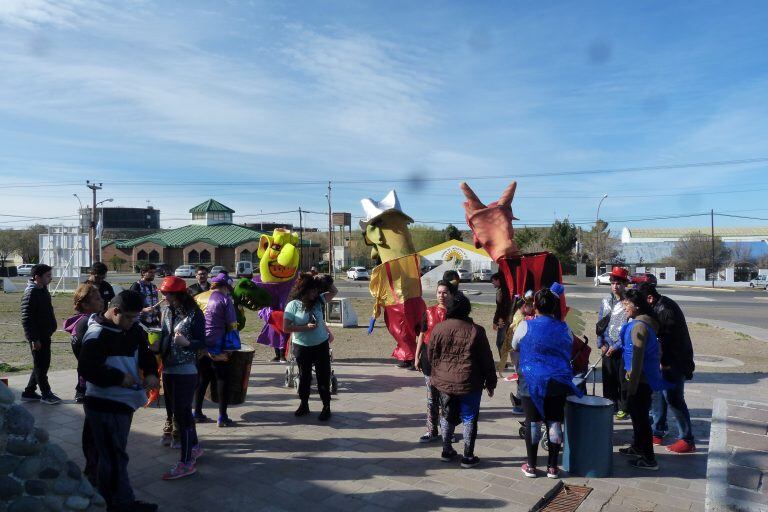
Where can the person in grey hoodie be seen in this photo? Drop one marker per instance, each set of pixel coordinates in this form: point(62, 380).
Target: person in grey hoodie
point(39, 324)
point(114, 352)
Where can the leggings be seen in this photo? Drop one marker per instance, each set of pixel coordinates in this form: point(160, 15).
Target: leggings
point(464, 408)
point(554, 407)
point(205, 372)
point(179, 390)
point(221, 370)
point(318, 356)
point(433, 407)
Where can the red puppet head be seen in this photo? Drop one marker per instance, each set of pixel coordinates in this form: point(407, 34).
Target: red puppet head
point(492, 225)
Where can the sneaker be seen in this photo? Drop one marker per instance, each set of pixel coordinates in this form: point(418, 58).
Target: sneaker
point(197, 452)
point(404, 364)
point(528, 471)
point(79, 397)
point(469, 462)
point(30, 396)
point(175, 444)
point(167, 427)
point(325, 414)
point(681, 446)
point(201, 418)
point(643, 463)
point(517, 410)
point(658, 440)
point(166, 440)
point(225, 422)
point(428, 438)
point(448, 456)
point(283, 360)
point(303, 410)
point(180, 470)
point(553, 473)
point(630, 451)
point(50, 399)
point(621, 415)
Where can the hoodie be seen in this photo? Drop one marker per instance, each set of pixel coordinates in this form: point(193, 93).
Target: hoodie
point(109, 353)
point(37, 318)
point(76, 326)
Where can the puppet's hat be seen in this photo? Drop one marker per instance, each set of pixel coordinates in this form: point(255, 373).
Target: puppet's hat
point(375, 209)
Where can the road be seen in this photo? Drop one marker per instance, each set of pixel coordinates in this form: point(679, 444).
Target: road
point(746, 307)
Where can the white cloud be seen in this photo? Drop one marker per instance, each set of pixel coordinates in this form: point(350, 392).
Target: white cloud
point(34, 14)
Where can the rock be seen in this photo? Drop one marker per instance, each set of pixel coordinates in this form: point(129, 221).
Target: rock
point(23, 446)
point(54, 503)
point(29, 468)
point(77, 503)
point(35, 487)
point(65, 486)
point(41, 435)
point(26, 504)
point(54, 453)
point(73, 471)
point(85, 489)
point(8, 464)
point(19, 421)
point(6, 395)
point(98, 501)
point(9, 487)
point(48, 473)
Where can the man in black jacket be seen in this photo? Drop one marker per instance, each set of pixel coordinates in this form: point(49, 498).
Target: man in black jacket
point(98, 277)
point(39, 324)
point(115, 350)
point(677, 366)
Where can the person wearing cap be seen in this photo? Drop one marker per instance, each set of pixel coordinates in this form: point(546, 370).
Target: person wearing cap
point(610, 319)
point(220, 318)
point(39, 324)
point(462, 366)
point(546, 375)
point(677, 366)
point(182, 335)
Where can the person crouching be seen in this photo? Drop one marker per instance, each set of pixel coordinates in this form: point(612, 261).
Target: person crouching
point(462, 365)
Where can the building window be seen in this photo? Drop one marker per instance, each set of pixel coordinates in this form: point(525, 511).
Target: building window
point(193, 257)
point(141, 256)
point(154, 256)
point(205, 256)
point(246, 255)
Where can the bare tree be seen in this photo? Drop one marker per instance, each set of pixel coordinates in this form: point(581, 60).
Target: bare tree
point(694, 250)
point(741, 253)
point(28, 243)
point(8, 243)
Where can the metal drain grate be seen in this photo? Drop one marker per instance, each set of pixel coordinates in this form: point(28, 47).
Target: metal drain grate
point(562, 498)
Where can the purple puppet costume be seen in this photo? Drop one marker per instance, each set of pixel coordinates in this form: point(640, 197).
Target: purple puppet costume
point(272, 334)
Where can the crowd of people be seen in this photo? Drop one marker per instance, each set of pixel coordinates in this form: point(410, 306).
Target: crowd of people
point(643, 341)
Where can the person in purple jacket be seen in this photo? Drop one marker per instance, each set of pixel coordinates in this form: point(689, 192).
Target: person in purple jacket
point(220, 318)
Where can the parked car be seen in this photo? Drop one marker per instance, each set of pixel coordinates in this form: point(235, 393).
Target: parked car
point(244, 269)
point(185, 271)
point(163, 270)
point(217, 270)
point(355, 273)
point(604, 278)
point(427, 268)
point(464, 275)
point(483, 274)
point(645, 277)
point(24, 270)
point(760, 281)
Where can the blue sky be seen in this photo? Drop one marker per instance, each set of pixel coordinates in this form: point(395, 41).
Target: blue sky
point(256, 102)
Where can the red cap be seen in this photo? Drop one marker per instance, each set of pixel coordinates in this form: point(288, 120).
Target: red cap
point(173, 284)
point(617, 273)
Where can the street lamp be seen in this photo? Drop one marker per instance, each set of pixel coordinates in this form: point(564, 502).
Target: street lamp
point(101, 221)
point(597, 233)
point(79, 213)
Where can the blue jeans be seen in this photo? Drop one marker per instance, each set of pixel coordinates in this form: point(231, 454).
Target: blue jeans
point(674, 401)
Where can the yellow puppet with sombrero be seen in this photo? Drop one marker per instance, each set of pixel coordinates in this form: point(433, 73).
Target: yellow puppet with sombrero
point(396, 282)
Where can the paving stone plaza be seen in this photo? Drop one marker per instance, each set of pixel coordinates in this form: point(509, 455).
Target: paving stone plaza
point(367, 456)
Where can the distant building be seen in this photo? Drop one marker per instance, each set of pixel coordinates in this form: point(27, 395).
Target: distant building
point(210, 239)
point(640, 246)
point(461, 253)
point(122, 222)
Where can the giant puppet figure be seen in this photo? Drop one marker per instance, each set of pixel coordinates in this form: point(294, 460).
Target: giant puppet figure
point(278, 263)
point(492, 228)
point(396, 282)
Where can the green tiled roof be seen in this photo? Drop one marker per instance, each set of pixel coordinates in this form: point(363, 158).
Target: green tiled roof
point(211, 205)
point(219, 235)
point(678, 232)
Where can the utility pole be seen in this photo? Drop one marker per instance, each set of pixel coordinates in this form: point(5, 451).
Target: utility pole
point(330, 232)
point(301, 239)
point(94, 187)
point(712, 223)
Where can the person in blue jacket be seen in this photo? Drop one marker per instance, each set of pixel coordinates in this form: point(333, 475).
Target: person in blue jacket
point(642, 363)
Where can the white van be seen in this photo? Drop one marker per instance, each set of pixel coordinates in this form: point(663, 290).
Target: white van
point(244, 269)
point(760, 281)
